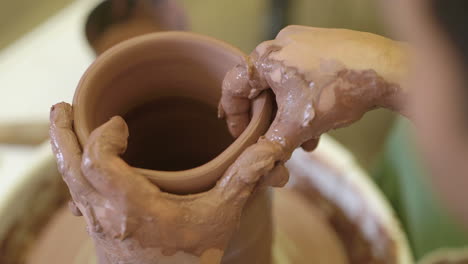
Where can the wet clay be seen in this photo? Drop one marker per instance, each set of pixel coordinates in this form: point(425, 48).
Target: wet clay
point(133, 221)
point(174, 134)
point(134, 214)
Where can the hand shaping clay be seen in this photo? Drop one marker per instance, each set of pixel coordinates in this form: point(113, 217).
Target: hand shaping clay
point(134, 221)
point(119, 203)
point(322, 79)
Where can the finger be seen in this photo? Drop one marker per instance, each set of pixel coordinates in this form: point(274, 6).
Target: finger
point(106, 171)
point(67, 150)
point(311, 144)
point(238, 122)
point(234, 105)
point(243, 176)
point(278, 177)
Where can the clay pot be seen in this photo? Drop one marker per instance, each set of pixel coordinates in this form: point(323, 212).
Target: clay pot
point(114, 21)
point(173, 70)
point(329, 213)
point(167, 87)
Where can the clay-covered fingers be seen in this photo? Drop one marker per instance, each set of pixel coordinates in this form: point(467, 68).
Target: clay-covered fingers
point(277, 177)
point(67, 150)
point(234, 105)
point(103, 167)
point(246, 173)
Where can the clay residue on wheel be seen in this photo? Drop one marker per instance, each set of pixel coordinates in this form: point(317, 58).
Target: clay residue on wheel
point(28, 226)
point(365, 236)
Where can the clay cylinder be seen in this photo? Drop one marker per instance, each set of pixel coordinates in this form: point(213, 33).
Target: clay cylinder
point(167, 87)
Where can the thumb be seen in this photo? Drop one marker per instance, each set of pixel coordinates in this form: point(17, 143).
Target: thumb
point(234, 104)
point(277, 177)
point(104, 168)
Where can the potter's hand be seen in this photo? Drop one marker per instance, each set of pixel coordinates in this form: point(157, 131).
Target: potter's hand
point(322, 79)
point(131, 219)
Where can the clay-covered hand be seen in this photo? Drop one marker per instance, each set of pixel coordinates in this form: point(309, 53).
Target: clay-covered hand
point(322, 79)
point(131, 219)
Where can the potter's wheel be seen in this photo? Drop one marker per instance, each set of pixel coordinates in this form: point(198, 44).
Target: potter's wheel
point(329, 212)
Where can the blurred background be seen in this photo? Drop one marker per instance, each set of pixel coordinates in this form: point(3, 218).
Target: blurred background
point(44, 52)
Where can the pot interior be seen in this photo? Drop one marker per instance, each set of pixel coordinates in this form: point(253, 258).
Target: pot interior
point(167, 90)
point(174, 134)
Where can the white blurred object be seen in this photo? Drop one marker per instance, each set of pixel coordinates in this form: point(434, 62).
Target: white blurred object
point(38, 70)
point(44, 66)
point(13, 160)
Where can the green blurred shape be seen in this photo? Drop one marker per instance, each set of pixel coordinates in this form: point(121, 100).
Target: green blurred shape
point(402, 178)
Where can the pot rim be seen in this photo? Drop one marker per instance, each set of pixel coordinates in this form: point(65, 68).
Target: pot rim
point(185, 181)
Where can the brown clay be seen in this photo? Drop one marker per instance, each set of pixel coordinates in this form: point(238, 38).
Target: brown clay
point(133, 221)
point(190, 227)
point(156, 66)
